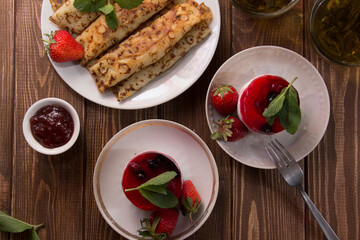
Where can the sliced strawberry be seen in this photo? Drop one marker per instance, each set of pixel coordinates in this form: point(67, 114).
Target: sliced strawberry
point(160, 224)
point(224, 98)
point(191, 199)
point(62, 47)
point(230, 129)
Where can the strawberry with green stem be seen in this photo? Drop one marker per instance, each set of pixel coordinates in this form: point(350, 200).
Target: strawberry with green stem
point(191, 199)
point(160, 224)
point(224, 98)
point(62, 47)
point(230, 129)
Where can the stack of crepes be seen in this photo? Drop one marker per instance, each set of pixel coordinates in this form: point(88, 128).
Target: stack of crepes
point(149, 40)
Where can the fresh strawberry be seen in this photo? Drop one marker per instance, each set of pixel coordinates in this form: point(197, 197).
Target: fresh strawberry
point(224, 98)
point(62, 47)
point(160, 224)
point(230, 129)
point(191, 199)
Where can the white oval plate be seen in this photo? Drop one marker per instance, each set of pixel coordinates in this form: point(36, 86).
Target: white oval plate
point(313, 94)
point(165, 87)
point(191, 154)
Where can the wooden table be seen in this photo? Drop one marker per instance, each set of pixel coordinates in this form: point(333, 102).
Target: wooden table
point(252, 203)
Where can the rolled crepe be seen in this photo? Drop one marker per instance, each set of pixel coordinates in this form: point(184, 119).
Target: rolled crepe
point(67, 17)
point(167, 8)
point(56, 4)
point(132, 84)
point(148, 45)
point(98, 37)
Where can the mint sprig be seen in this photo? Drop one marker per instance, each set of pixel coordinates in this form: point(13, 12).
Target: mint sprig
point(155, 190)
point(13, 225)
point(286, 108)
point(110, 16)
point(108, 9)
point(168, 200)
point(89, 5)
point(129, 4)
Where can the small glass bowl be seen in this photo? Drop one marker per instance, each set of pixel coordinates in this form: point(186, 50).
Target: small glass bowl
point(319, 32)
point(262, 14)
point(27, 126)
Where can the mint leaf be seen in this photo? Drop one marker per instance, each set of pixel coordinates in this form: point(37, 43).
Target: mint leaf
point(271, 120)
point(163, 201)
point(156, 188)
point(129, 4)
point(161, 179)
point(107, 9)
point(276, 104)
point(290, 115)
point(110, 16)
point(33, 235)
point(12, 225)
point(88, 5)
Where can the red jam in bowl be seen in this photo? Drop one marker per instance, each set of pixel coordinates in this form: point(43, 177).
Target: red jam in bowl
point(144, 167)
point(255, 98)
point(52, 126)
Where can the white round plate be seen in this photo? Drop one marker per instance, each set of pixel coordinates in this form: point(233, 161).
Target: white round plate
point(165, 87)
point(191, 154)
point(313, 94)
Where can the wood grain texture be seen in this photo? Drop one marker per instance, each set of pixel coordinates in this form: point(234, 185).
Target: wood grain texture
point(265, 207)
point(7, 84)
point(45, 189)
point(101, 125)
point(333, 168)
point(189, 109)
point(252, 203)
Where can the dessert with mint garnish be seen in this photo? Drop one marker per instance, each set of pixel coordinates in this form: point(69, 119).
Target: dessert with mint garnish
point(152, 181)
point(269, 104)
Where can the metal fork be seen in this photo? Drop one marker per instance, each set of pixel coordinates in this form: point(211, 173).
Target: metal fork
point(293, 175)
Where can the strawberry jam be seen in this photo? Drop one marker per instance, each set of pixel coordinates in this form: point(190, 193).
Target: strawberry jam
point(255, 98)
point(52, 126)
point(144, 167)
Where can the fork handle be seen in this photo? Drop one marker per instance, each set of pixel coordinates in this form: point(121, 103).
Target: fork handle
point(324, 225)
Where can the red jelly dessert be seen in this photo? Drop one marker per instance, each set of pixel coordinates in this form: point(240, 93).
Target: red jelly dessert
point(255, 98)
point(52, 126)
point(144, 167)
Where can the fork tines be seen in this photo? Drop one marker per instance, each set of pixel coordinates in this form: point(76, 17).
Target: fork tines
point(278, 154)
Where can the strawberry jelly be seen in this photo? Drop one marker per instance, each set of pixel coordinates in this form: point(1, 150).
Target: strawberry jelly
point(144, 167)
point(52, 126)
point(255, 98)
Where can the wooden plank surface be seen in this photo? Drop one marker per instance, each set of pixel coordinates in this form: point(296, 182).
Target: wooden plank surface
point(252, 203)
point(264, 203)
point(333, 168)
point(46, 189)
point(7, 84)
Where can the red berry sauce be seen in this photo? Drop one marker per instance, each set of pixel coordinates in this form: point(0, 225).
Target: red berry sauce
point(256, 98)
point(52, 126)
point(144, 167)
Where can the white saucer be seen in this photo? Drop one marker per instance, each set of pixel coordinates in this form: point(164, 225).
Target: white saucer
point(313, 94)
point(191, 154)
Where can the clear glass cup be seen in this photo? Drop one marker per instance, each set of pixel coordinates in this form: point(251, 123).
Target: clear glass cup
point(265, 8)
point(335, 30)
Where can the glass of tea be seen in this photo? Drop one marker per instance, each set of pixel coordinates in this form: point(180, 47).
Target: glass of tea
point(265, 8)
point(335, 30)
